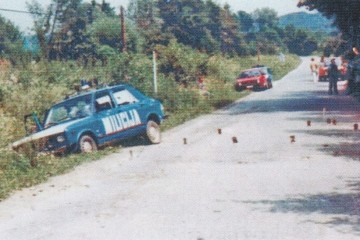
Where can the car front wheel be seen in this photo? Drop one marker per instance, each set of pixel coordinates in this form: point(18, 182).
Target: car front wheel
point(87, 144)
point(153, 132)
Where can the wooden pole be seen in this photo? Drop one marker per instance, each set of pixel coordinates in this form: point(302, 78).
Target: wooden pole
point(123, 30)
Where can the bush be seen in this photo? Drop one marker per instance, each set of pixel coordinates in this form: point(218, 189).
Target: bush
point(181, 62)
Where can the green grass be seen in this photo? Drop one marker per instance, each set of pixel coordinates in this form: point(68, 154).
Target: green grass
point(48, 82)
point(220, 85)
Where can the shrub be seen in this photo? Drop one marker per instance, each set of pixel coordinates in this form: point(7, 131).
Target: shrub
point(181, 62)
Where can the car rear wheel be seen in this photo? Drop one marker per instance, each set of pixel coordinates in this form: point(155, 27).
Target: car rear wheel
point(268, 85)
point(87, 144)
point(238, 88)
point(153, 132)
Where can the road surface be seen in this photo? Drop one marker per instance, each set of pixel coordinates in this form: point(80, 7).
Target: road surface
point(268, 175)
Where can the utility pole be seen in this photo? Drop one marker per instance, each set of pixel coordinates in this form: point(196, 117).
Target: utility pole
point(155, 72)
point(123, 30)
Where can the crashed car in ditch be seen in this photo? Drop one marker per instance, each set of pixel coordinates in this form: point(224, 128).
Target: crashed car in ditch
point(88, 120)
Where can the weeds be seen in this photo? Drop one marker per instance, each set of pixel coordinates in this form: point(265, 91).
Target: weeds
point(37, 86)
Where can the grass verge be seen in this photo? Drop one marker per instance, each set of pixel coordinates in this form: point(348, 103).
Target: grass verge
point(17, 173)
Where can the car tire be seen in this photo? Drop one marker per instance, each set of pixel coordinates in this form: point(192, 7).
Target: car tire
point(238, 88)
point(153, 132)
point(87, 144)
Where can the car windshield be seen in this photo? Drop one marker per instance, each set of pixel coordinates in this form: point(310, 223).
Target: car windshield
point(68, 110)
point(247, 74)
point(264, 70)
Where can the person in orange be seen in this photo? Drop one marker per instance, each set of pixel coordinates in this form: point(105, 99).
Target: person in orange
point(314, 70)
point(323, 69)
point(343, 68)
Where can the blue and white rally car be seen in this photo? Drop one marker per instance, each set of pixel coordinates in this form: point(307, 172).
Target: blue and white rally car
point(86, 121)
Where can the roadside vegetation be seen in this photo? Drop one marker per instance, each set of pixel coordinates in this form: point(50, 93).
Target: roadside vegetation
point(191, 39)
point(36, 86)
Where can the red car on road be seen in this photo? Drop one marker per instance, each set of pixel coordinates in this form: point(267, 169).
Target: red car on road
point(256, 78)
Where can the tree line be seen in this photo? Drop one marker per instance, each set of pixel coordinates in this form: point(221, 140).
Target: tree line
point(91, 32)
point(345, 15)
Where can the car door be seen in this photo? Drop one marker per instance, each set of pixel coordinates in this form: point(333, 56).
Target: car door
point(104, 112)
point(130, 112)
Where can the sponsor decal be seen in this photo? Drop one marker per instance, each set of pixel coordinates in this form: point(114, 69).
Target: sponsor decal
point(121, 121)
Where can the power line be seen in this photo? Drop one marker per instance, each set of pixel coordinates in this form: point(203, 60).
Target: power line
point(18, 11)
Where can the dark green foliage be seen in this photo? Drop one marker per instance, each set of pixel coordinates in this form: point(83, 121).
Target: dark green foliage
point(302, 20)
point(77, 30)
point(10, 42)
point(182, 63)
point(62, 28)
point(345, 14)
point(245, 20)
point(202, 25)
point(299, 41)
point(2, 94)
point(265, 18)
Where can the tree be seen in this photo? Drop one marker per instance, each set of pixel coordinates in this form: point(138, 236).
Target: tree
point(185, 19)
point(246, 21)
point(213, 27)
point(145, 14)
point(61, 28)
point(142, 12)
point(344, 12)
point(265, 18)
point(299, 41)
point(42, 18)
point(269, 41)
point(106, 31)
point(334, 45)
point(231, 41)
point(10, 41)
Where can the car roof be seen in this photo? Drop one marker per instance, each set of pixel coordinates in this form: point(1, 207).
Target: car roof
point(259, 68)
point(251, 69)
point(91, 91)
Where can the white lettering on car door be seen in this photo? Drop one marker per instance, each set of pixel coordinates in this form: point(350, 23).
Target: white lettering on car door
point(121, 121)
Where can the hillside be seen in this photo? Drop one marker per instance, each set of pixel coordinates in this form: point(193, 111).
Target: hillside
point(314, 22)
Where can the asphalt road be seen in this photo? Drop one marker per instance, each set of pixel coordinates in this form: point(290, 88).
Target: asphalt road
point(261, 186)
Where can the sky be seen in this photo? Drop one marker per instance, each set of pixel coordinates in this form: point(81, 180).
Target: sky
point(24, 21)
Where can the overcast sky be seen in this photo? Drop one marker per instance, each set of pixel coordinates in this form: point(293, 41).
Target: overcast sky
point(24, 21)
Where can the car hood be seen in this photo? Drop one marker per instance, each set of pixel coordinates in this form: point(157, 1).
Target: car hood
point(44, 133)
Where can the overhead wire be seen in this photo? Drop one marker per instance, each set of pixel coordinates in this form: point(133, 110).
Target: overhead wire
point(18, 11)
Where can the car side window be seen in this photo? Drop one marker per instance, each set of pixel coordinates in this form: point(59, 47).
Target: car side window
point(124, 97)
point(103, 101)
point(244, 75)
point(256, 73)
